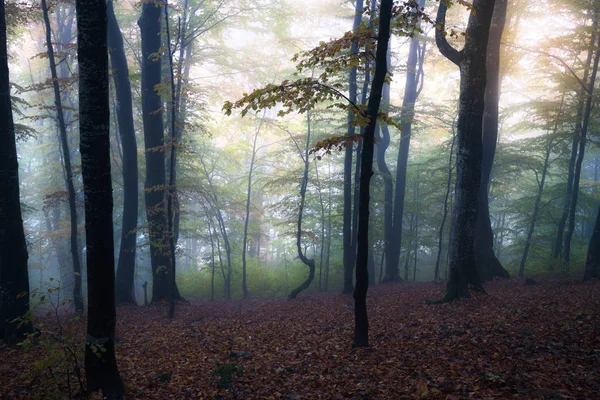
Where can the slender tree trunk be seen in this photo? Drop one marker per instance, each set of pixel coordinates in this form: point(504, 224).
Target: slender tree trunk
point(248, 196)
point(361, 322)
point(310, 263)
point(436, 274)
point(94, 122)
point(349, 255)
point(14, 278)
point(154, 193)
point(77, 296)
point(582, 141)
point(472, 63)
point(326, 284)
point(488, 265)
point(536, 207)
point(414, 68)
point(416, 239)
point(322, 226)
point(124, 107)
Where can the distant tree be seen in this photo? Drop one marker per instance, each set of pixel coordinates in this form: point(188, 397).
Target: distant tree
point(14, 278)
point(412, 89)
point(120, 73)
point(64, 144)
point(349, 255)
point(471, 61)
point(94, 122)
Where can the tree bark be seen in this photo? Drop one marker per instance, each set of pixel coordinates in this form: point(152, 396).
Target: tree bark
point(361, 322)
point(154, 193)
point(77, 296)
point(120, 73)
point(436, 273)
point(94, 122)
point(471, 61)
point(14, 278)
point(488, 265)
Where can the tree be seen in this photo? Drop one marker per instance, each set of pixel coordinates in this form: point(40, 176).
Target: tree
point(120, 73)
point(488, 265)
point(64, 142)
point(154, 193)
point(412, 89)
point(592, 264)
point(361, 322)
point(471, 61)
point(100, 361)
point(14, 278)
point(349, 256)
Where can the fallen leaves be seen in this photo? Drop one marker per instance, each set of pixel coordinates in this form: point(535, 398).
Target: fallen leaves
point(540, 341)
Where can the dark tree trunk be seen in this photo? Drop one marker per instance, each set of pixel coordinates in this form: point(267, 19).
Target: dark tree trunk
point(77, 297)
point(150, 28)
point(361, 322)
point(349, 256)
point(436, 273)
point(592, 264)
point(326, 280)
point(414, 67)
point(247, 220)
point(310, 263)
point(14, 278)
point(472, 63)
point(120, 72)
point(94, 121)
point(582, 140)
point(321, 255)
point(488, 265)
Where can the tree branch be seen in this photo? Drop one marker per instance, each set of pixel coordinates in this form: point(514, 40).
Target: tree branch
point(440, 36)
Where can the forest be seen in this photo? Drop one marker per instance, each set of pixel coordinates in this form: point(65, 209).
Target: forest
point(327, 199)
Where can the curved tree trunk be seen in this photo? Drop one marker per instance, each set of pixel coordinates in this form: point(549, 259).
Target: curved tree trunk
point(472, 63)
point(94, 121)
point(14, 278)
point(488, 265)
point(310, 263)
point(77, 296)
point(120, 73)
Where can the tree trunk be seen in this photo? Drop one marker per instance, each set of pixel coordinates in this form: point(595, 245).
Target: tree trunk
point(592, 264)
point(77, 297)
point(414, 68)
point(536, 207)
point(150, 29)
point(472, 63)
point(321, 255)
point(349, 256)
point(94, 122)
point(436, 273)
point(488, 265)
point(124, 106)
point(248, 196)
point(14, 278)
point(361, 322)
point(582, 140)
point(310, 263)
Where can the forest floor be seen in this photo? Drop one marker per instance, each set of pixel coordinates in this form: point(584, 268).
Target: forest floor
point(517, 342)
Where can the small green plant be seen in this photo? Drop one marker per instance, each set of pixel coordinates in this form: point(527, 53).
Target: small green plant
point(58, 346)
point(226, 372)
